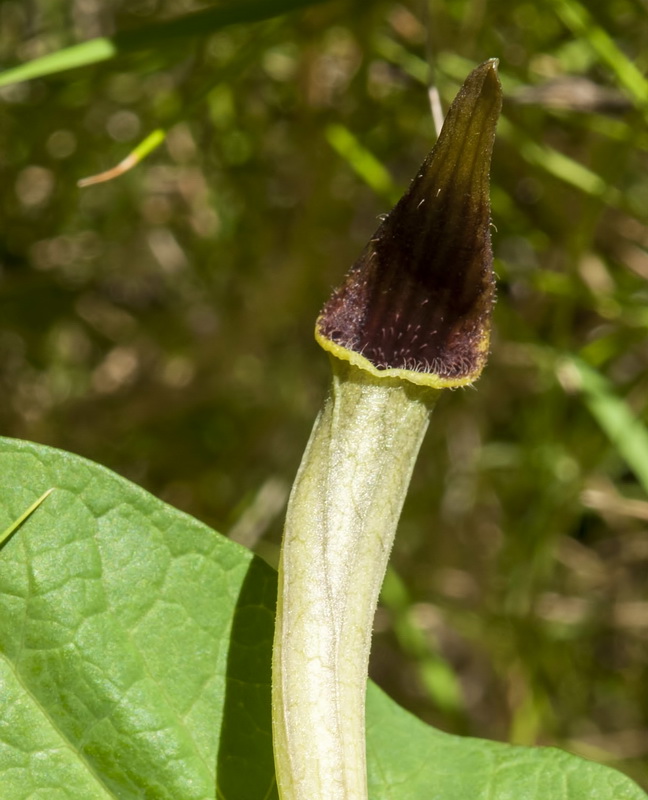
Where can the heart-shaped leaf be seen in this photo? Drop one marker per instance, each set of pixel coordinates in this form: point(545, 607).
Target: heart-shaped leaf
point(135, 662)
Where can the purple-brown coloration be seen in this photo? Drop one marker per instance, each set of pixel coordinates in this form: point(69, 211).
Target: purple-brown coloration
point(420, 296)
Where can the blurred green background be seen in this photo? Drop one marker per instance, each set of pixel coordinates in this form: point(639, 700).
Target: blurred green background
point(161, 323)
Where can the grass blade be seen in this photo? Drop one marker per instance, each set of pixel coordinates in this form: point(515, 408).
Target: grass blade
point(79, 55)
point(246, 56)
point(559, 165)
point(197, 24)
point(627, 433)
point(362, 162)
point(578, 19)
point(15, 525)
point(143, 149)
point(435, 674)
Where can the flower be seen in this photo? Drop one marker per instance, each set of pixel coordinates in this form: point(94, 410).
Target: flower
point(417, 303)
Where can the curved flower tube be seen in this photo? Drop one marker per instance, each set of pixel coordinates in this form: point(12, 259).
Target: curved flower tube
point(411, 318)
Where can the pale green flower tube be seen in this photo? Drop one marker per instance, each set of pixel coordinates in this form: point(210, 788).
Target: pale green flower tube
point(340, 526)
point(412, 318)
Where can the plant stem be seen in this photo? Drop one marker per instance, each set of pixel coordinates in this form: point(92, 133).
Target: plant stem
point(340, 527)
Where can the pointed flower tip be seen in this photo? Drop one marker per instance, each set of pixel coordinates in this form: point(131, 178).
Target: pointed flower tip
point(417, 303)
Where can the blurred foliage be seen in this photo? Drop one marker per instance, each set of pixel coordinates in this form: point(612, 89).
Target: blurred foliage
point(161, 324)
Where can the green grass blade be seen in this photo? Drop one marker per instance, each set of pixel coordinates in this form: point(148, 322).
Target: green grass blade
point(434, 672)
point(558, 164)
point(362, 162)
point(137, 154)
point(79, 55)
point(628, 434)
point(246, 56)
point(578, 19)
point(24, 516)
point(151, 36)
point(411, 64)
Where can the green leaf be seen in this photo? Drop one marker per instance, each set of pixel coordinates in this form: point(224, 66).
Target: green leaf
point(148, 37)
point(135, 662)
point(432, 765)
point(134, 643)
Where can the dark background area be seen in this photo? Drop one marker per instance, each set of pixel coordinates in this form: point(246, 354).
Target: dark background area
point(161, 324)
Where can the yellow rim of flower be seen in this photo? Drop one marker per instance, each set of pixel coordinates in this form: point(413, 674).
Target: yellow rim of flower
point(429, 379)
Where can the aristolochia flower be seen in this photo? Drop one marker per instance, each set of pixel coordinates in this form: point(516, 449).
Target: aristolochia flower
point(419, 297)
